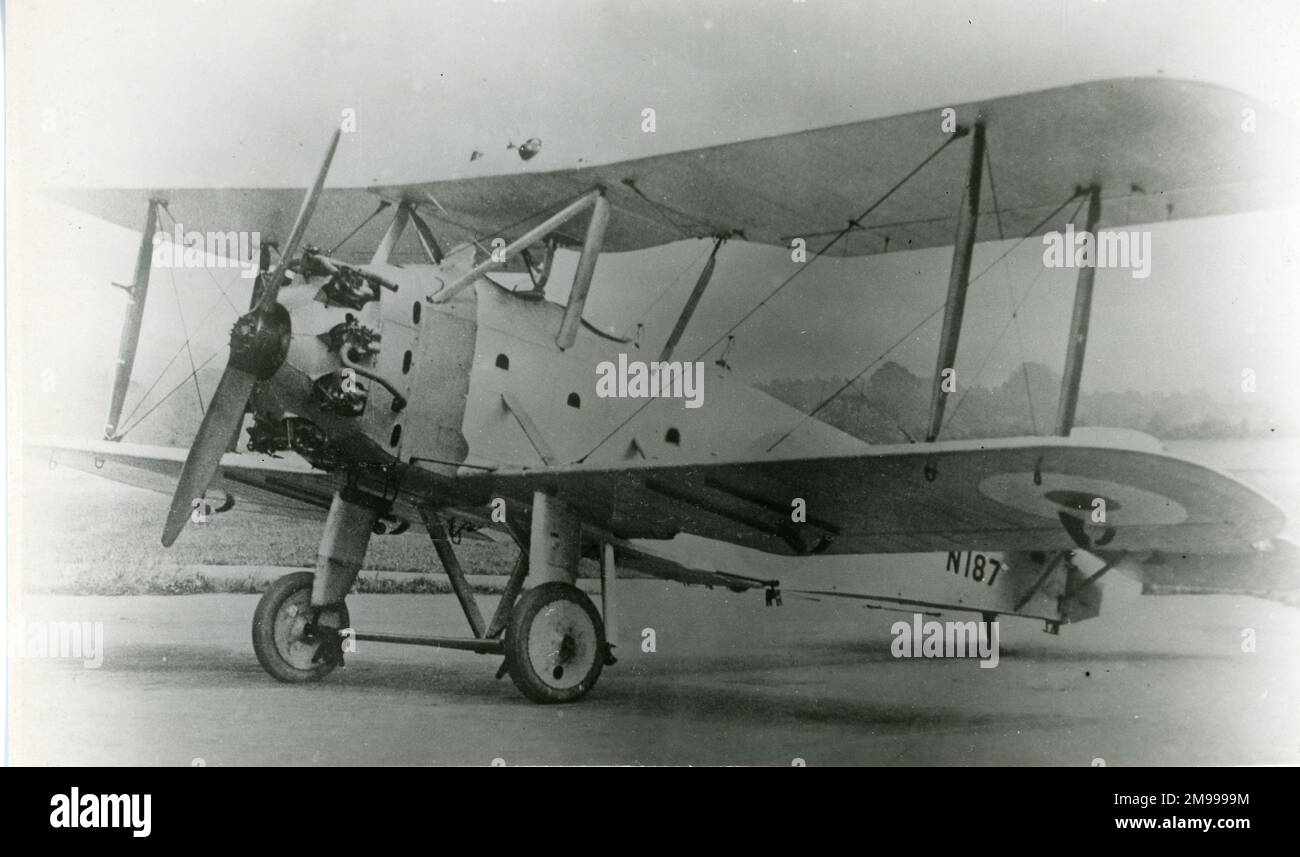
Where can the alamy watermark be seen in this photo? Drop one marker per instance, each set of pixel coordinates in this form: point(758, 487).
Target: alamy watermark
point(1083, 249)
point(131, 811)
point(192, 250)
point(638, 379)
point(83, 641)
point(932, 639)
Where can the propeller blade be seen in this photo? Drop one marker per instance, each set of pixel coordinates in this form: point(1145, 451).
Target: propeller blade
point(258, 345)
point(299, 225)
point(263, 270)
point(224, 415)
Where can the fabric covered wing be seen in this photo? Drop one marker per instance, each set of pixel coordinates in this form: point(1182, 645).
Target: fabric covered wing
point(256, 482)
point(1019, 494)
point(269, 211)
point(1160, 149)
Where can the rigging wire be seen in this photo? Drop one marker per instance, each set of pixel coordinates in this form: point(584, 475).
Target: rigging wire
point(676, 280)
point(1020, 339)
point(660, 210)
point(997, 339)
point(224, 293)
point(933, 314)
point(180, 311)
point(383, 203)
point(186, 345)
point(179, 351)
point(855, 223)
point(728, 337)
point(206, 269)
point(168, 395)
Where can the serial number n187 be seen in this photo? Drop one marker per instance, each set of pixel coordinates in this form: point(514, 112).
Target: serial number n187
point(978, 567)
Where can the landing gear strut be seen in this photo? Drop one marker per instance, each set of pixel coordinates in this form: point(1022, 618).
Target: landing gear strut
point(298, 624)
point(552, 638)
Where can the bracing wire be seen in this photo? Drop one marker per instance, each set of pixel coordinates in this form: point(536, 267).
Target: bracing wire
point(186, 347)
point(855, 223)
point(933, 314)
point(1020, 338)
point(169, 394)
point(997, 339)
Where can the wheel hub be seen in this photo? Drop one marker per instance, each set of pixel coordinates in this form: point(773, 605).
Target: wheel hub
point(303, 633)
point(562, 643)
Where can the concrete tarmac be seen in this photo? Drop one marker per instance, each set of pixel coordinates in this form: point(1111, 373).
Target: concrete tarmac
point(1153, 681)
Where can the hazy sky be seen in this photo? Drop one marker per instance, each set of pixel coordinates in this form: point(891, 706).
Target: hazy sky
point(239, 94)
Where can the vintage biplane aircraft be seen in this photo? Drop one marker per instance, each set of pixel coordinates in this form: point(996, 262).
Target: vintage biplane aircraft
point(423, 389)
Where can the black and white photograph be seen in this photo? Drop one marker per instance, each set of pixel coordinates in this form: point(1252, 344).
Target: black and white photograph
point(653, 383)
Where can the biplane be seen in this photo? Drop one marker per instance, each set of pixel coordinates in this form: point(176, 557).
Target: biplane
point(413, 386)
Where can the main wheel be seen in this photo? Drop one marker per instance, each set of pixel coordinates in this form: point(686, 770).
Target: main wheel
point(288, 633)
point(555, 643)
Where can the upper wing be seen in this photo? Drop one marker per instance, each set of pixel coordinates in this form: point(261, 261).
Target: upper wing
point(1014, 494)
point(269, 211)
point(1160, 149)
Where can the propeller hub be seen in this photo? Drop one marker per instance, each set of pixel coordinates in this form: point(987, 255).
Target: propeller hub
point(259, 341)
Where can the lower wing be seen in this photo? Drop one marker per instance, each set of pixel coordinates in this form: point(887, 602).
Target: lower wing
point(1020, 494)
point(1009, 494)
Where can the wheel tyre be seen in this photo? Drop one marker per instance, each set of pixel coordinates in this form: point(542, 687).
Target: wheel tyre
point(555, 643)
point(278, 625)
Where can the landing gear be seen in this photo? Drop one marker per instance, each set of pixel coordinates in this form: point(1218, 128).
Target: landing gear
point(555, 643)
point(295, 642)
point(298, 623)
point(552, 640)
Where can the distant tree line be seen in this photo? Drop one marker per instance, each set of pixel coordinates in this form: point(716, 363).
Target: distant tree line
point(892, 406)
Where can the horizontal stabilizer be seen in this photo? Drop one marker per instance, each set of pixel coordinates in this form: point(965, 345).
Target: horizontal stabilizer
point(1270, 569)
